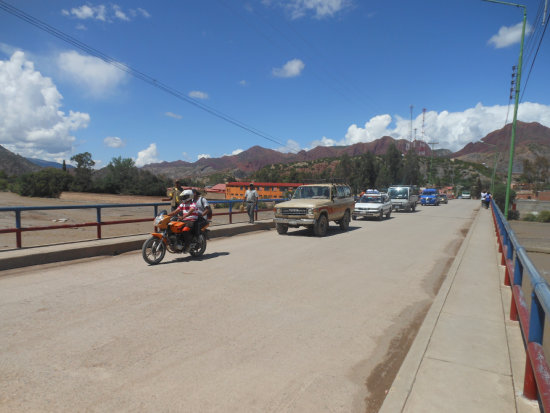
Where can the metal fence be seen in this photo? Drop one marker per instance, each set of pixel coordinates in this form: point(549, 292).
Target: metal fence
point(19, 228)
point(530, 304)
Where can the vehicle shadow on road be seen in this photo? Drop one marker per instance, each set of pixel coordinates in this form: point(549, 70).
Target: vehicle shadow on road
point(188, 258)
point(331, 231)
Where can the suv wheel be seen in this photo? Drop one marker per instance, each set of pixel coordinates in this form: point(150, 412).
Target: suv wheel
point(320, 227)
point(344, 223)
point(282, 229)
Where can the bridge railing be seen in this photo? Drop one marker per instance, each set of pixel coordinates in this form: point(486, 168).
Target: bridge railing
point(19, 229)
point(530, 306)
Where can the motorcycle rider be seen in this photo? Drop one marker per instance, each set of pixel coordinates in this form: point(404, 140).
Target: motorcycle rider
point(190, 214)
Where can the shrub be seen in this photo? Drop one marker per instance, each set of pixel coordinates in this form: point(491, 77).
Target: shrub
point(543, 216)
point(530, 217)
point(513, 215)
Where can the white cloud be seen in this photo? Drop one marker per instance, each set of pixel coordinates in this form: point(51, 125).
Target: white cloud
point(320, 8)
point(31, 120)
point(291, 146)
point(119, 14)
point(114, 142)
point(203, 155)
point(508, 36)
point(173, 115)
point(104, 13)
point(243, 83)
point(452, 130)
point(235, 152)
point(94, 75)
point(323, 142)
point(292, 68)
point(196, 94)
point(144, 12)
point(87, 12)
point(147, 156)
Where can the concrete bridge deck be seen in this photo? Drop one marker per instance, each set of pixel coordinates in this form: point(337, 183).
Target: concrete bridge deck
point(467, 355)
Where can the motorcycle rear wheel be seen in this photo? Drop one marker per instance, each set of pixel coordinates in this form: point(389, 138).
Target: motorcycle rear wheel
point(153, 250)
point(200, 246)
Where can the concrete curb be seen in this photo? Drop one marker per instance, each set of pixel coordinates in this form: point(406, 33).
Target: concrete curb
point(406, 376)
point(111, 246)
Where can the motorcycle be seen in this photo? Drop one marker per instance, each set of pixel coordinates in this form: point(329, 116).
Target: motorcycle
point(170, 237)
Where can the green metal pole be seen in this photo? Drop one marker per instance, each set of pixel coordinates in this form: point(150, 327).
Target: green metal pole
point(516, 103)
point(514, 123)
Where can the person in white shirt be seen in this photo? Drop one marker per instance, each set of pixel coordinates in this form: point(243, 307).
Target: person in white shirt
point(251, 199)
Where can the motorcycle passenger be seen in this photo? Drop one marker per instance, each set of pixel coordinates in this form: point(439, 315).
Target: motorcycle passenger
point(190, 214)
point(203, 208)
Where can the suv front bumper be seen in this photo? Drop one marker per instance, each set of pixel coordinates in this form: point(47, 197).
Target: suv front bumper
point(294, 221)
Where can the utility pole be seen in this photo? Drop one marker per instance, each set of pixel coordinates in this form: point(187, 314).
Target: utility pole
point(516, 103)
point(432, 161)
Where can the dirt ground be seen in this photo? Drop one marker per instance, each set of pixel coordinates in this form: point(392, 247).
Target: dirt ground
point(81, 216)
point(535, 238)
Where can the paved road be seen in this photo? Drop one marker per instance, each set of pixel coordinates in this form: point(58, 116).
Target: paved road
point(262, 323)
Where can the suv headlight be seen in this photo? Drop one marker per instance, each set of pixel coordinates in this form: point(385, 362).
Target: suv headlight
point(278, 210)
point(310, 211)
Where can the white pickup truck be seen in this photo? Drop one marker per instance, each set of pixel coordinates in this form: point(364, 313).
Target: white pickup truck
point(404, 197)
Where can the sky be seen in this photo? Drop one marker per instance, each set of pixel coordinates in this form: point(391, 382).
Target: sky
point(183, 80)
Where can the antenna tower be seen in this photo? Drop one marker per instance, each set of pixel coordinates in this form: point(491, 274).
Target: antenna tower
point(411, 133)
point(432, 160)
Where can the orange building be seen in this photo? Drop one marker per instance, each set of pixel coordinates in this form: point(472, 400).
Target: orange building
point(266, 190)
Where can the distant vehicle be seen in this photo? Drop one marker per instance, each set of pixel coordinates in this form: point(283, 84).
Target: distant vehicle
point(372, 205)
point(443, 199)
point(403, 197)
point(466, 195)
point(429, 197)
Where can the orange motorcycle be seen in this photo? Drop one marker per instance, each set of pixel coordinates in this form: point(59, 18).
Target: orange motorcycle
point(170, 237)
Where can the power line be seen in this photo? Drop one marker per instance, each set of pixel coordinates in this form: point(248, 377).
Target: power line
point(131, 71)
point(534, 58)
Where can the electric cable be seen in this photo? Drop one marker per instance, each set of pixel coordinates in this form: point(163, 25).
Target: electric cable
point(133, 72)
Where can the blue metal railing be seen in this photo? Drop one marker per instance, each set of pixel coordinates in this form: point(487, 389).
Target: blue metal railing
point(531, 313)
point(19, 229)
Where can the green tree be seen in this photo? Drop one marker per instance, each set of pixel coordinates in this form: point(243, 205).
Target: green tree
point(499, 195)
point(47, 183)
point(411, 168)
point(383, 180)
point(83, 172)
point(394, 163)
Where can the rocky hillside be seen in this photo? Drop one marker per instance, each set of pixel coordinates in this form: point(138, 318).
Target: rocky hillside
point(257, 157)
point(13, 164)
point(532, 139)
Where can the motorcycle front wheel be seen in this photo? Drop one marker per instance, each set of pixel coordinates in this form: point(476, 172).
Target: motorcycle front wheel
point(200, 246)
point(153, 250)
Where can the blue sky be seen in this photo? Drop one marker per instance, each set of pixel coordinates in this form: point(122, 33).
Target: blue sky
point(299, 73)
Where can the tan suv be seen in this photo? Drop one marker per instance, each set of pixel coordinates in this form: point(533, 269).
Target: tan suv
point(314, 206)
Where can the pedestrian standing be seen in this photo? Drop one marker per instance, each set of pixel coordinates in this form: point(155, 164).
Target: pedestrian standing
point(174, 194)
point(251, 200)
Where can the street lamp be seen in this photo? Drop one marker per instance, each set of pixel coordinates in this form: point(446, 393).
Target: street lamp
point(514, 123)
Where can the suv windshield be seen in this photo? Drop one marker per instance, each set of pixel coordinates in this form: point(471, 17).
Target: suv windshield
point(398, 193)
point(370, 198)
point(316, 192)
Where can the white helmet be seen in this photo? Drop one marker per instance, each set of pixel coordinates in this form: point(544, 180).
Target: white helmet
point(186, 195)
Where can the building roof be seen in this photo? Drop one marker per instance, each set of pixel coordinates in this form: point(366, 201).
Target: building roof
point(216, 188)
point(264, 184)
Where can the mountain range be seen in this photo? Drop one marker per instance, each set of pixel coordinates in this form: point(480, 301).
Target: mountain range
point(532, 139)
